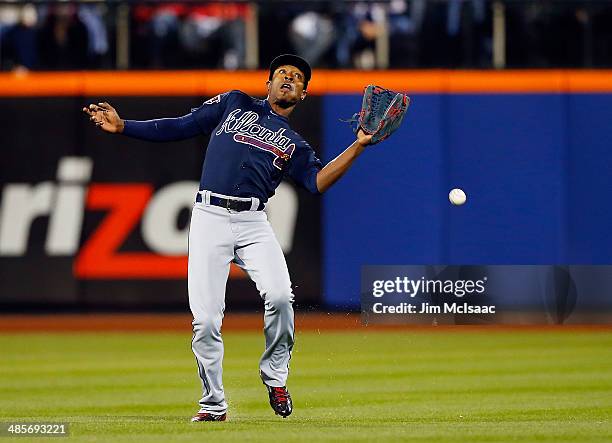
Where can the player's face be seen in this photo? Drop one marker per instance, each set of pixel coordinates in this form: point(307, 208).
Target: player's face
point(287, 86)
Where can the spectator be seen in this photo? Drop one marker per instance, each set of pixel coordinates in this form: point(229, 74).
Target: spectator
point(202, 35)
point(405, 23)
point(159, 25)
point(216, 26)
point(97, 38)
point(312, 35)
point(466, 33)
point(358, 27)
point(18, 36)
point(63, 39)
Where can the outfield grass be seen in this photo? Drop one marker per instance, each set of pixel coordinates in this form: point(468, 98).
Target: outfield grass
point(416, 386)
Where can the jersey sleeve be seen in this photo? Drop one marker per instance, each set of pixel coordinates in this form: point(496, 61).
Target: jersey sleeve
point(163, 129)
point(304, 166)
point(209, 114)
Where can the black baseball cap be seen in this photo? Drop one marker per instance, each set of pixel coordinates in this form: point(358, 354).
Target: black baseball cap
point(293, 60)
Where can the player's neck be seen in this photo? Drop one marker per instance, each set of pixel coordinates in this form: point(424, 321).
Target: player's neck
point(285, 112)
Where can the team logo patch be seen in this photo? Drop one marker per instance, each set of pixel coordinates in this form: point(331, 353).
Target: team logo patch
point(247, 131)
point(212, 101)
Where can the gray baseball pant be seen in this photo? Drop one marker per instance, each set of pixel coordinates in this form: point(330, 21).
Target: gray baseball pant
point(218, 237)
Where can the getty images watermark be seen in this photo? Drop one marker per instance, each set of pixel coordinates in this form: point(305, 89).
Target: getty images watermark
point(408, 294)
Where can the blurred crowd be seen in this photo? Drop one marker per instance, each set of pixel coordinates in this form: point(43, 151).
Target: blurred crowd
point(52, 36)
point(333, 34)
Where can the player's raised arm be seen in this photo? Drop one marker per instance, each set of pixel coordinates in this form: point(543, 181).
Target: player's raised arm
point(381, 114)
point(106, 118)
point(200, 120)
point(338, 166)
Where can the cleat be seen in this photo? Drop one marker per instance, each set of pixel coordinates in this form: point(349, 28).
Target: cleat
point(206, 416)
point(280, 400)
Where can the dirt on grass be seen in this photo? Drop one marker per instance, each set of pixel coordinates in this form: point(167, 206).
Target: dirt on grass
point(310, 321)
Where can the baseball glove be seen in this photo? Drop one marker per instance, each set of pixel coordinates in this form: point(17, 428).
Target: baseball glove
point(382, 112)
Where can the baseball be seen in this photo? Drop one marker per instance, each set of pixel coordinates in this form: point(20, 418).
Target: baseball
point(457, 197)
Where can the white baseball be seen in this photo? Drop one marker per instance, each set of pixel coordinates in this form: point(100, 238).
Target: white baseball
point(457, 197)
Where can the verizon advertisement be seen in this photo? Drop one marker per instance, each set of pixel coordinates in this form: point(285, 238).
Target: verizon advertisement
point(90, 220)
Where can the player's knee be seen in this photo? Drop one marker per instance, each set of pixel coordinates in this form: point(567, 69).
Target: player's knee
point(206, 325)
point(279, 300)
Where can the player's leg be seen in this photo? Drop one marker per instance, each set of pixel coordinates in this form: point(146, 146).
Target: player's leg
point(259, 253)
point(211, 249)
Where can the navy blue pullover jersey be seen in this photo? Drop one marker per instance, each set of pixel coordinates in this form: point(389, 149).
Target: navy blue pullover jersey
point(251, 147)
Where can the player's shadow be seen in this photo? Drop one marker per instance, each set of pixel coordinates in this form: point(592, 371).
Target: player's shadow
point(560, 294)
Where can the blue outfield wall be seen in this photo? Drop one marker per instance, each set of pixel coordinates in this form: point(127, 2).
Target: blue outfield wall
point(535, 167)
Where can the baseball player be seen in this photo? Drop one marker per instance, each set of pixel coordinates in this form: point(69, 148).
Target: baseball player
point(252, 147)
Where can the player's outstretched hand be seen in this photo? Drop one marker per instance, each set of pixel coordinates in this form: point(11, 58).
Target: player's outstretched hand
point(381, 114)
point(105, 117)
point(363, 138)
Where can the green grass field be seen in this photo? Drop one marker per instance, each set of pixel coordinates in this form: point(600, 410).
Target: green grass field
point(447, 386)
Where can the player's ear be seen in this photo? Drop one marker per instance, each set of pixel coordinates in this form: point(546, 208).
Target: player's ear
point(268, 83)
point(304, 94)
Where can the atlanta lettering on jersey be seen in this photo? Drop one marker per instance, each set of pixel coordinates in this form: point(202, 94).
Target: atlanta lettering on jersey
point(247, 131)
